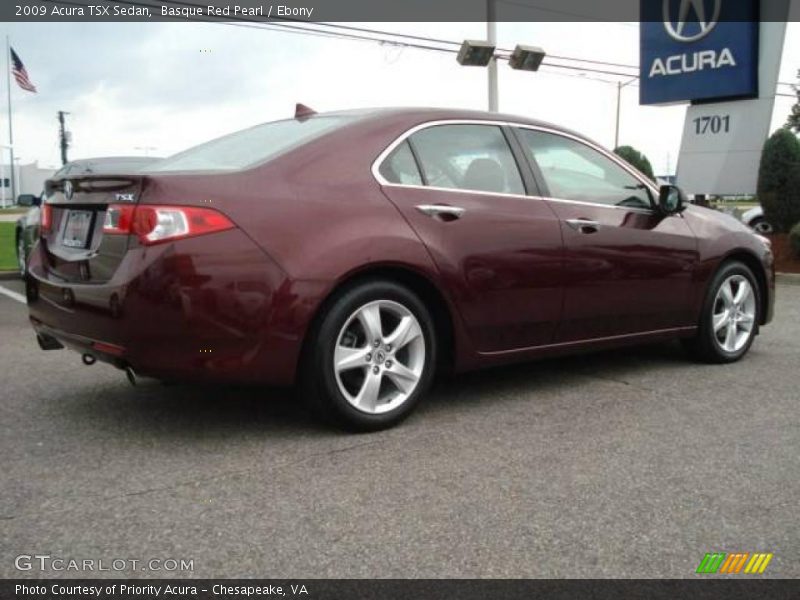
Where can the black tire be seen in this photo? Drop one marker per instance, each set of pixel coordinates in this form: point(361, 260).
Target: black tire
point(706, 346)
point(318, 381)
point(21, 259)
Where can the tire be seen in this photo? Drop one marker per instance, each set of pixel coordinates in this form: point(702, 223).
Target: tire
point(372, 387)
point(21, 259)
point(761, 225)
point(728, 323)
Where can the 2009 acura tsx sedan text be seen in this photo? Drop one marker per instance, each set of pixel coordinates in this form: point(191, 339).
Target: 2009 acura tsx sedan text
point(355, 253)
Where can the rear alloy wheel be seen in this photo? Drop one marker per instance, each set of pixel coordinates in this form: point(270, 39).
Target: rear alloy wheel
point(21, 255)
point(730, 316)
point(373, 357)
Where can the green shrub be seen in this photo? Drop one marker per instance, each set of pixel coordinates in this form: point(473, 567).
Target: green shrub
point(794, 239)
point(779, 180)
point(633, 157)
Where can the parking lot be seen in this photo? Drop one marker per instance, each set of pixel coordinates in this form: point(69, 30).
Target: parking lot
point(623, 464)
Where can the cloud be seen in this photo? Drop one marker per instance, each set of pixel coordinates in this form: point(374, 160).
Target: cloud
point(173, 85)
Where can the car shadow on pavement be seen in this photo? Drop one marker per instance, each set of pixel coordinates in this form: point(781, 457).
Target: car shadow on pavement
point(550, 375)
point(188, 410)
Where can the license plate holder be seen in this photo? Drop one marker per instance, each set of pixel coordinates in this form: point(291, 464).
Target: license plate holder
point(77, 228)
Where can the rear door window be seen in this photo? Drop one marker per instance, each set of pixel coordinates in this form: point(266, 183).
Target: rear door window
point(400, 167)
point(468, 157)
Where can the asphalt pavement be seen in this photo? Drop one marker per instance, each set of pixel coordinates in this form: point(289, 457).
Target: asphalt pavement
point(621, 464)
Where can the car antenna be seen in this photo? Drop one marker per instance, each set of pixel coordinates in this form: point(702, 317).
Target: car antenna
point(302, 112)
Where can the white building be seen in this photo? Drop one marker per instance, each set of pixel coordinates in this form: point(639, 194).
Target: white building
point(30, 180)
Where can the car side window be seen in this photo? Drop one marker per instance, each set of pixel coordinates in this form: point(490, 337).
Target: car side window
point(400, 167)
point(574, 171)
point(468, 157)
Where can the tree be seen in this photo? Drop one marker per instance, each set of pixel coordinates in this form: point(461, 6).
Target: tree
point(793, 122)
point(779, 180)
point(635, 158)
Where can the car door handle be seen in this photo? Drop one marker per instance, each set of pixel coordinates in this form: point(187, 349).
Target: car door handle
point(584, 225)
point(442, 211)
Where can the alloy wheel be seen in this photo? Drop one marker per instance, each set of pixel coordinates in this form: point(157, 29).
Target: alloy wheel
point(762, 226)
point(734, 313)
point(379, 357)
point(21, 256)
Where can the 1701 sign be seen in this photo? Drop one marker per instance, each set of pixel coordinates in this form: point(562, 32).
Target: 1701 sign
point(712, 124)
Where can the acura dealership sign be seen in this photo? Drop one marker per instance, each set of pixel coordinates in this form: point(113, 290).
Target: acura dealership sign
point(698, 50)
point(723, 57)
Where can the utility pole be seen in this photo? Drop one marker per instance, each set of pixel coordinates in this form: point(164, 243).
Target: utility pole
point(491, 35)
point(62, 136)
point(620, 85)
point(616, 131)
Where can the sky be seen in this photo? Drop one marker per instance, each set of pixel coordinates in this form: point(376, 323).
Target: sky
point(158, 88)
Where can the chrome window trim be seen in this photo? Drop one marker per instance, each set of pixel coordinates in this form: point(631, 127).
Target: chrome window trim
point(610, 155)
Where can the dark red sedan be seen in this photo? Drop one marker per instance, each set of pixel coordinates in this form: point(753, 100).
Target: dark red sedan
point(356, 253)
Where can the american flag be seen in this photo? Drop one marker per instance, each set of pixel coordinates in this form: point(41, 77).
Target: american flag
point(20, 74)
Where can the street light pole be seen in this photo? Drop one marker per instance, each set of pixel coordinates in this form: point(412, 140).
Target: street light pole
point(491, 35)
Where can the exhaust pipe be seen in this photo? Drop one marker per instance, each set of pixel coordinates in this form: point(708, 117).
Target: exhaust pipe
point(47, 342)
point(88, 360)
point(131, 374)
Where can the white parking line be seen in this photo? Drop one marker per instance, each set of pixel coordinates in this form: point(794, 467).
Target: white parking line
point(13, 295)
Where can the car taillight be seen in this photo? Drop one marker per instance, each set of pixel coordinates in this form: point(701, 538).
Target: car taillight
point(45, 218)
point(155, 224)
point(118, 218)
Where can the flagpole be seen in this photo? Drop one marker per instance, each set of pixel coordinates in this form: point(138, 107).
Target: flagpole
point(10, 129)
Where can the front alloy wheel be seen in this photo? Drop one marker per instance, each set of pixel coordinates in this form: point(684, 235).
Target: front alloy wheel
point(734, 313)
point(729, 321)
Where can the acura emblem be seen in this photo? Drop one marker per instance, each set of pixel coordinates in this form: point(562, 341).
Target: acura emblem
point(676, 28)
point(68, 189)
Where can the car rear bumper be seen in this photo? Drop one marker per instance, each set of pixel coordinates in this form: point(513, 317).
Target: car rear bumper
point(212, 308)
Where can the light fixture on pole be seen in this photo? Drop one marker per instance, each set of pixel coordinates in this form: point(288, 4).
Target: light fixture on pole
point(475, 53)
point(526, 58)
point(145, 149)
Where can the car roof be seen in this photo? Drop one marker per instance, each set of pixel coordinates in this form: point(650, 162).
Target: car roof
point(418, 115)
point(437, 113)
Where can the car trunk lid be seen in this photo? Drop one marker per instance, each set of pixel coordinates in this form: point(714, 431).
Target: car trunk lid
point(73, 218)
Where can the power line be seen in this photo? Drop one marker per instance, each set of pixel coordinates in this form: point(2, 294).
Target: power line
point(393, 39)
point(537, 8)
point(379, 36)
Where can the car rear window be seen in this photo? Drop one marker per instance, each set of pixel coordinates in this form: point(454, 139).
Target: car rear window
point(251, 146)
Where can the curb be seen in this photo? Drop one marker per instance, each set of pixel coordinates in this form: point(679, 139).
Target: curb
point(787, 278)
point(9, 275)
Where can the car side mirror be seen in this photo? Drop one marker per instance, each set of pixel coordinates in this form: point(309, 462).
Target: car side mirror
point(28, 200)
point(671, 200)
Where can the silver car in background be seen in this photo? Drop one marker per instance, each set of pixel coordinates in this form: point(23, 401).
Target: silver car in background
point(754, 219)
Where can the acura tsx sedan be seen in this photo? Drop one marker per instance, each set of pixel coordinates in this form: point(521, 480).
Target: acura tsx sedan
point(354, 254)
